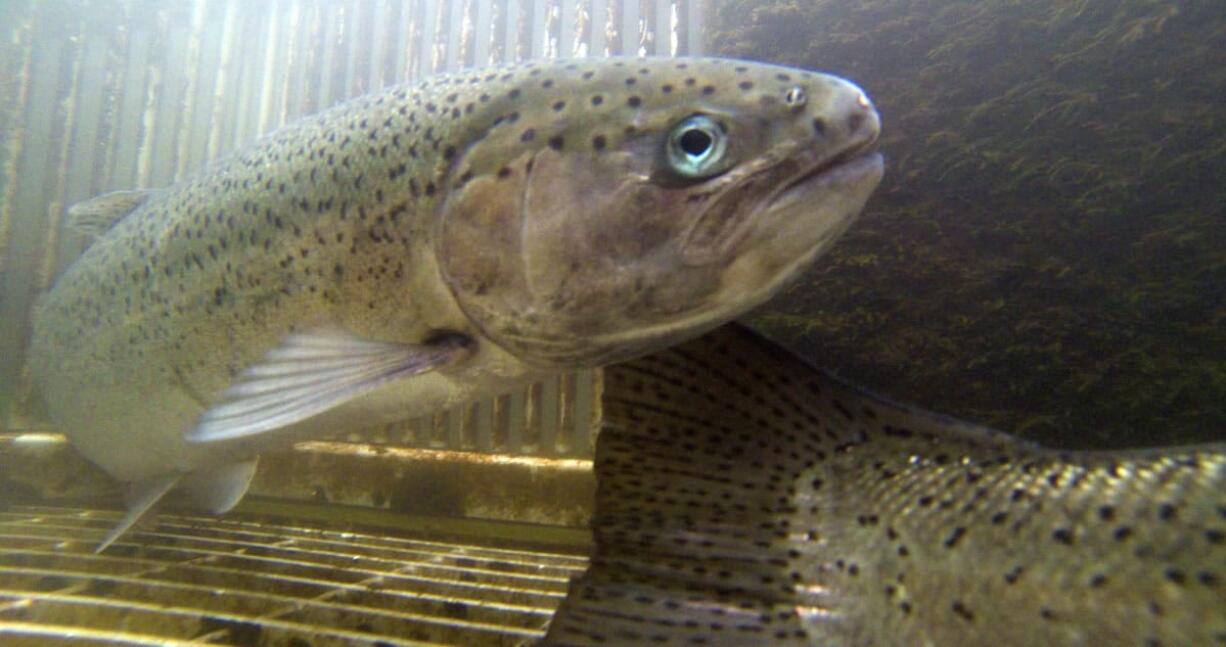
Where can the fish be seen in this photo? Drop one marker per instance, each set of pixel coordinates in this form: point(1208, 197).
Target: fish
point(433, 244)
point(745, 497)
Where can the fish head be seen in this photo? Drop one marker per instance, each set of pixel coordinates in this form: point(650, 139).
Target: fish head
point(614, 208)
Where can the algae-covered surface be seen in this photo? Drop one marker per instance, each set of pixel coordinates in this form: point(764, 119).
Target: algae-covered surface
point(1047, 253)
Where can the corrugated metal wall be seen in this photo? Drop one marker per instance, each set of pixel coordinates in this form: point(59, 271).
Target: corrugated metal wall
point(97, 95)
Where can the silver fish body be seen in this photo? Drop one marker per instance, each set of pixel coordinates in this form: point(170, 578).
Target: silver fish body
point(746, 498)
point(433, 244)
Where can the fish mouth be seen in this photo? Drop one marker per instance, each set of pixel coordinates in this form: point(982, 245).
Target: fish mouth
point(849, 165)
point(739, 210)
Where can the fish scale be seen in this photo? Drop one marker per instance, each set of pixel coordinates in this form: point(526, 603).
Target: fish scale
point(746, 498)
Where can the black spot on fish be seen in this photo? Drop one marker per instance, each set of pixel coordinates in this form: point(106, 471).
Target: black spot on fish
point(598, 142)
point(962, 611)
point(556, 142)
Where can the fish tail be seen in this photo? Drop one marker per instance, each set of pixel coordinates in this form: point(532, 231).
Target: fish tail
point(747, 498)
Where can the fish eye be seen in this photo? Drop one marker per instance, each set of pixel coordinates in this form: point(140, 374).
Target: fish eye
point(697, 147)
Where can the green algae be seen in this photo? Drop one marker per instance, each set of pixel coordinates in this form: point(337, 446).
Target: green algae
point(1047, 253)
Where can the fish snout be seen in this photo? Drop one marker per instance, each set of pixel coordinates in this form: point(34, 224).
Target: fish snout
point(847, 124)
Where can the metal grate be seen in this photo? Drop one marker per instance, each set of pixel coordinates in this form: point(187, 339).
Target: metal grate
point(246, 581)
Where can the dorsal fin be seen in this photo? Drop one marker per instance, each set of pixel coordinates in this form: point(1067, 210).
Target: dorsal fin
point(96, 215)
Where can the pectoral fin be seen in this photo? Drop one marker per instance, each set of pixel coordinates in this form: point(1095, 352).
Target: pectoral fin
point(310, 373)
point(96, 215)
point(142, 495)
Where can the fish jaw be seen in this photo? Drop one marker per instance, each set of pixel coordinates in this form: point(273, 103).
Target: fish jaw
point(601, 251)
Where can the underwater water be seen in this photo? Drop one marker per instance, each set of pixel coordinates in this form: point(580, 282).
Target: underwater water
point(1047, 252)
point(1046, 255)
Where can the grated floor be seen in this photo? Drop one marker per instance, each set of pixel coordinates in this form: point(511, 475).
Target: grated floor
point(205, 580)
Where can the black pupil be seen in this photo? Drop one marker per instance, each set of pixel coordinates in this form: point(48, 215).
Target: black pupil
point(695, 142)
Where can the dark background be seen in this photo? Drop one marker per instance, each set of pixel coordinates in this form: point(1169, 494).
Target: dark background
point(1047, 253)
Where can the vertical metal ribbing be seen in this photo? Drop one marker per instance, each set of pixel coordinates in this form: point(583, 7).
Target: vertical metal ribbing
point(548, 415)
point(356, 28)
point(538, 28)
point(329, 21)
point(249, 57)
point(692, 24)
point(376, 72)
point(30, 218)
point(427, 34)
point(132, 105)
point(483, 25)
point(81, 179)
point(455, 30)
point(206, 92)
point(567, 17)
point(510, 26)
point(281, 33)
point(599, 18)
point(662, 30)
point(583, 396)
point(231, 65)
point(402, 48)
point(629, 33)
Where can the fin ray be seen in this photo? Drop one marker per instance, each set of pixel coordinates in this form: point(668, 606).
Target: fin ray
point(310, 373)
point(142, 496)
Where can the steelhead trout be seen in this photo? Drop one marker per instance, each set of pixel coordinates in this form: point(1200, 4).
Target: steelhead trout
point(746, 498)
point(433, 244)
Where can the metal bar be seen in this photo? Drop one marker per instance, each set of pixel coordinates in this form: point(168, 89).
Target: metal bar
point(377, 64)
point(132, 106)
point(170, 93)
point(401, 42)
point(630, 28)
point(516, 412)
point(598, 41)
point(30, 215)
point(510, 46)
point(548, 418)
point(208, 65)
point(483, 425)
point(231, 68)
point(583, 395)
point(662, 41)
point(453, 428)
point(427, 34)
point(692, 19)
point(327, 55)
point(538, 28)
point(352, 38)
point(455, 32)
point(280, 31)
point(483, 25)
point(567, 18)
point(81, 179)
point(248, 59)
